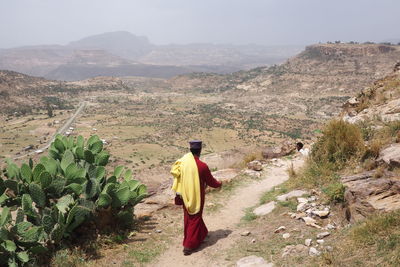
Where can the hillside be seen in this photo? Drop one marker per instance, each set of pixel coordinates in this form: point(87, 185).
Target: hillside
point(315, 83)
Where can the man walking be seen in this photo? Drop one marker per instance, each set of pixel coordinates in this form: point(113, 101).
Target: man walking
point(191, 177)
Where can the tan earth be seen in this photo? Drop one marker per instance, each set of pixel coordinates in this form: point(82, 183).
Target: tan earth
point(223, 225)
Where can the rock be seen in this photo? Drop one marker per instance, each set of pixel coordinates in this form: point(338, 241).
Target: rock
point(329, 248)
point(252, 173)
point(264, 209)
point(281, 150)
point(280, 229)
point(302, 206)
point(302, 200)
point(245, 233)
point(158, 231)
point(225, 175)
point(312, 198)
point(298, 249)
point(330, 226)
point(390, 155)
point(308, 242)
point(294, 193)
point(286, 235)
point(367, 196)
point(320, 241)
point(314, 252)
point(320, 213)
point(211, 205)
point(253, 261)
point(311, 222)
point(255, 165)
point(323, 234)
point(253, 240)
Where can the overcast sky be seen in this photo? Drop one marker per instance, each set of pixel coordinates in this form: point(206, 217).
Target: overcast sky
point(27, 22)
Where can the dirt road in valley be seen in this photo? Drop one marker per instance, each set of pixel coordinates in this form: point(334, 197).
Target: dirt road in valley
point(61, 130)
point(223, 225)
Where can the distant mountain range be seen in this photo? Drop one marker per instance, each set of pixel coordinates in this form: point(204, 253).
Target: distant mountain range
point(124, 54)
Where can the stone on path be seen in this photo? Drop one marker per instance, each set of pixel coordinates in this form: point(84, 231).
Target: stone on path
point(308, 242)
point(245, 233)
point(314, 252)
point(322, 235)
point(286, 235)
point(294, 193)
point(311, 222)
point(225, 175)
point(264, 209)
point(255, 165)
point(253, 261)
point(280, 229)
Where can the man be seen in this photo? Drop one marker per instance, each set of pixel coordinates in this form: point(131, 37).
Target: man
point(191, 177)
point(302, 150)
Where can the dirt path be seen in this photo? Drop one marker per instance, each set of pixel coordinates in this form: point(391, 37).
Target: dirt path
point(223, 226)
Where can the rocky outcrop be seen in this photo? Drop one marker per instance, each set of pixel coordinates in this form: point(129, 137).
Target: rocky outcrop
point(365, 195)
point(255, 165)
point(281, 150)
point(390, 155)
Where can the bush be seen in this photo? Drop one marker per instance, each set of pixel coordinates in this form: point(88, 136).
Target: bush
point(335, 192)
point(53, 198)
point(340, 142)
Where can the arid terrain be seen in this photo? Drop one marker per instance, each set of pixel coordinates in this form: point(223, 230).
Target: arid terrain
point(145, 124)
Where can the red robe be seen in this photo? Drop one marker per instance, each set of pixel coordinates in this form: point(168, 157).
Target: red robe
point(194, 228)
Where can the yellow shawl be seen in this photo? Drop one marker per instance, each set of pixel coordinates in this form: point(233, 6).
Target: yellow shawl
point(187, 183)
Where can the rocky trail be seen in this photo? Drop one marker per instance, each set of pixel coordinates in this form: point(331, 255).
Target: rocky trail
point(223, 225)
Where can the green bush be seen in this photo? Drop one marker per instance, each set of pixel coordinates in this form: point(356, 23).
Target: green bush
point(335, 192)
point(340, 142)
point(64, 190)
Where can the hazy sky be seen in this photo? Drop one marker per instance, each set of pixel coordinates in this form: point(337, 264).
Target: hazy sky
point(26, 22)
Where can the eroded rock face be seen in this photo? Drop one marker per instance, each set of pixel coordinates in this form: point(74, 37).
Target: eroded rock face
point(367, 195)
point(390, 155)
point(283, 149)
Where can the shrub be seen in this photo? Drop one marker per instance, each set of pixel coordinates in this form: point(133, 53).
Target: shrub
point(53, 198)
point(335, 192)
point(340, 142)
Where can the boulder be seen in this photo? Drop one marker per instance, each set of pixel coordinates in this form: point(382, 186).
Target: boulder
point(369, 195)
point(251, 173)
point(294, 193)
point(225, 175)
point(308, 242)
point(390, 155)
point(253, 261)
point(286, 148)
point(264, 209)
point(322, 235)
point(255, 165)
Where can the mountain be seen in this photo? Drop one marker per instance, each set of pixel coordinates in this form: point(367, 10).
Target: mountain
point(135, 56)
point(120, 43)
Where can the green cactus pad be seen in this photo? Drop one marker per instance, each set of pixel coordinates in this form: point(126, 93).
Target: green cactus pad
point(67, 159)
point(104, 200)
point(102, 158)
point(59, 145)
point(64, 203)
point(89, 157)
point(75, 188)
point(5, 216)
point(39, 168)
point(45, 179)
point(96, 147)
point(11, 184)
point(37, 194)
point(26, 173)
